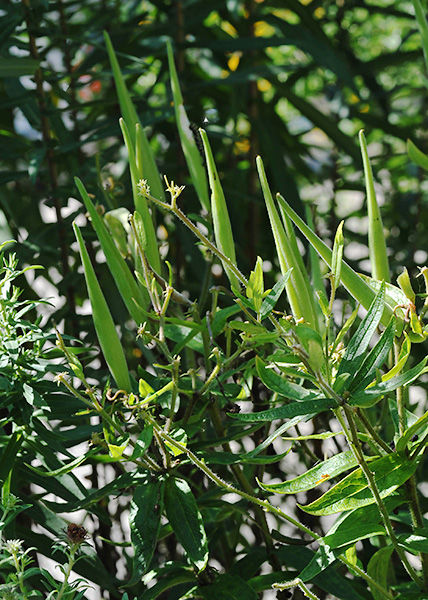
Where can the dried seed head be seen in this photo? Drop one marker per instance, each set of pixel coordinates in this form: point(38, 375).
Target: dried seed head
point(76, 533)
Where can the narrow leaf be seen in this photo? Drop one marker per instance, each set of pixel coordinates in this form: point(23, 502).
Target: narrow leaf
point(186, 521)
point(329, 468)
point(280, 385)
point(423, 27)
point(416, 155)
point(298, 288)
point(140, 202)
point(359, 342)
point(272, 298)
point(103, 322)
point(352, 492)
point(309, 407)
point(372, 394)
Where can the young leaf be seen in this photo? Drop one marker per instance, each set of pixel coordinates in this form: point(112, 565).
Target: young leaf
point(374, 393)
point(377, 244)
point(255, 287)
point(374, 361)
point(145, 521)
point(103, 322)
point(272, 298)
point(336, 261)
point(186, 521)
point(352, 492)
point(322, 472)
point(359, 342)
point(188, 143)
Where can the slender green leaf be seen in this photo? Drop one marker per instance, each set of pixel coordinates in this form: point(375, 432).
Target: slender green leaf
point(374, 361)
point(377, 243)
point(323, 558)
point(336, 261)
point(145, 521)
point(415, 542)
point(9, 454)
point(372, 394)
point(280, 385)
point(103, 322)
point(352, 492)
point(188, 143)
point(378, 567)
point(272, 298)
point(306, 408)
point(14, 66)
point(359, 342)
point(322, 472)
point(186, 521)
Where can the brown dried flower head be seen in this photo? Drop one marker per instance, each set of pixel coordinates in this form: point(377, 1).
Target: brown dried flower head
point(76, 533)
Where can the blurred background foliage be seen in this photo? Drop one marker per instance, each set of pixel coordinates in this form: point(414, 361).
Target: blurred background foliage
point(291, 81)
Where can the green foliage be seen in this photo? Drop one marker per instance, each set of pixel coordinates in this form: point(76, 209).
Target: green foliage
point(211, 368)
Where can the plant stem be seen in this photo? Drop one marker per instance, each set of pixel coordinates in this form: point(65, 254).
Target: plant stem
point(71, 561)
point(262, 503)
point(354, 444)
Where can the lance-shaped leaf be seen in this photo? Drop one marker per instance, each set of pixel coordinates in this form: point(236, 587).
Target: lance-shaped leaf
point(186, 521)
point(103, 322)
point(332, 467)
point(132, 294)
point(271, 299)
point(352, 492)
point(188, 142)
point(374, 361)
point(280, 385)
point(308, 408)
point(377, 244)
point(140, 202)
point(298, 287)
point(358, 344)
point(221, 222)
point(150, 171)
point(355, 284)
point(145, 520)
point(374, 393)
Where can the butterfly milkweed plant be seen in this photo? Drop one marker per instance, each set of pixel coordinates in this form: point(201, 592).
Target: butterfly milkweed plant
point(261, 442)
